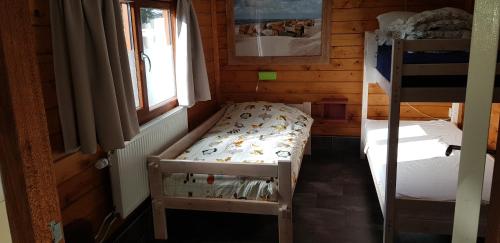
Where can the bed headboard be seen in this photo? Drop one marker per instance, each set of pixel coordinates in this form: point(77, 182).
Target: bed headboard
point(370, 72)
point(370, 75)
point(304, 107)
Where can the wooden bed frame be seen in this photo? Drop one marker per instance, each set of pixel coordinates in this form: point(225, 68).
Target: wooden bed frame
point(166, 163)
point(409, 215)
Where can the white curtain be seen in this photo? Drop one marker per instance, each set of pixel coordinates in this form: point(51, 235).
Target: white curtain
point(190, 68)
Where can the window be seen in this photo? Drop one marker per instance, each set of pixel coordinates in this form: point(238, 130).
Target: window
point(148, 27)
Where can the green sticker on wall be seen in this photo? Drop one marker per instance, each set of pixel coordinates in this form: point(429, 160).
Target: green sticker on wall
point(268, 75)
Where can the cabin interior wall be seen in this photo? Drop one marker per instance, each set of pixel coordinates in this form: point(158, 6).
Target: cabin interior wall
point(84, 191)
point(340, 78)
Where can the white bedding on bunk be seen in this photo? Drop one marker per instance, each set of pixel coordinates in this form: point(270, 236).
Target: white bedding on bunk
point(252, 132)
point(424, 171)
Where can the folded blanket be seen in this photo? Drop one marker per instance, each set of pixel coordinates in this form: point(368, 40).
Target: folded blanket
point(439, 34)
point(443, 23)
point(436, 15)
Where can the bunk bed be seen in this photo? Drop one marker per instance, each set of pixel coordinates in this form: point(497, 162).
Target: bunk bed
point(417, 187)
point(245, 159)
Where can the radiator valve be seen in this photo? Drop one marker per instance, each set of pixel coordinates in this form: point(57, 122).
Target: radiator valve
point(101, 163)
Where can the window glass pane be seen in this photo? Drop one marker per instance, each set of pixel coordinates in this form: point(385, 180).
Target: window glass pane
point(129, 41)
point(158, 55)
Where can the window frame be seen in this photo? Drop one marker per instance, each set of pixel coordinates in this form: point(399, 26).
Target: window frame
point(144, 112)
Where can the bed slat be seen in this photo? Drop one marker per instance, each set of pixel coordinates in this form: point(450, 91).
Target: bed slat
point(435, 69)
point(438, 44)
point(438, 69)
point(222, 205)
point(217, 168)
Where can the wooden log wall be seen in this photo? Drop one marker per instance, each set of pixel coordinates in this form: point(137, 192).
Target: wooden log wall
point(84, 192)
point(495, 115)
point(340, 78)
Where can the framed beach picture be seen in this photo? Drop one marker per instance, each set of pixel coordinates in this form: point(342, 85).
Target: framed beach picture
point(278, 31)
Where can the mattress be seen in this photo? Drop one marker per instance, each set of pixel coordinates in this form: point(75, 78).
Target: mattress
point(252, 132)
point(424, 171)
point(384, 61)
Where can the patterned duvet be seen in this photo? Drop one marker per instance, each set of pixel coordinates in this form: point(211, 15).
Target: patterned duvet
point(252, 132)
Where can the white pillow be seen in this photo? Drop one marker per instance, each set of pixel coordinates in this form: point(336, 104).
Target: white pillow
point(386, 19)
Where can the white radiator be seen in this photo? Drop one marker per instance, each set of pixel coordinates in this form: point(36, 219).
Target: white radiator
point(129, 177)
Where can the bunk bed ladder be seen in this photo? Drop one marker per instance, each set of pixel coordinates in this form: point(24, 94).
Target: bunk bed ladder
point(392, 142)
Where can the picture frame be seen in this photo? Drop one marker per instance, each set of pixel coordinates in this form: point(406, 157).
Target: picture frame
point(265, 37)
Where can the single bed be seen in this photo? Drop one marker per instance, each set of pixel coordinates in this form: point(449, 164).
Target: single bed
point(246, 159)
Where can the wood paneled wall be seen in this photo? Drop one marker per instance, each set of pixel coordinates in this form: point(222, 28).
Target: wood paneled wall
point(495, 115)
point(341, 78)
point(84, 191)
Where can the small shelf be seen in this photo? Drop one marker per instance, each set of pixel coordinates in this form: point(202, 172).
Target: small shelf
point(331, 110)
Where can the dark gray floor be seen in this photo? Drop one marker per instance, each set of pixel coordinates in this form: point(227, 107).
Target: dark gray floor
point(335, 201)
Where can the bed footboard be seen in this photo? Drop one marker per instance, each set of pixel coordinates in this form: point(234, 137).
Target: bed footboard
point(157, 167)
